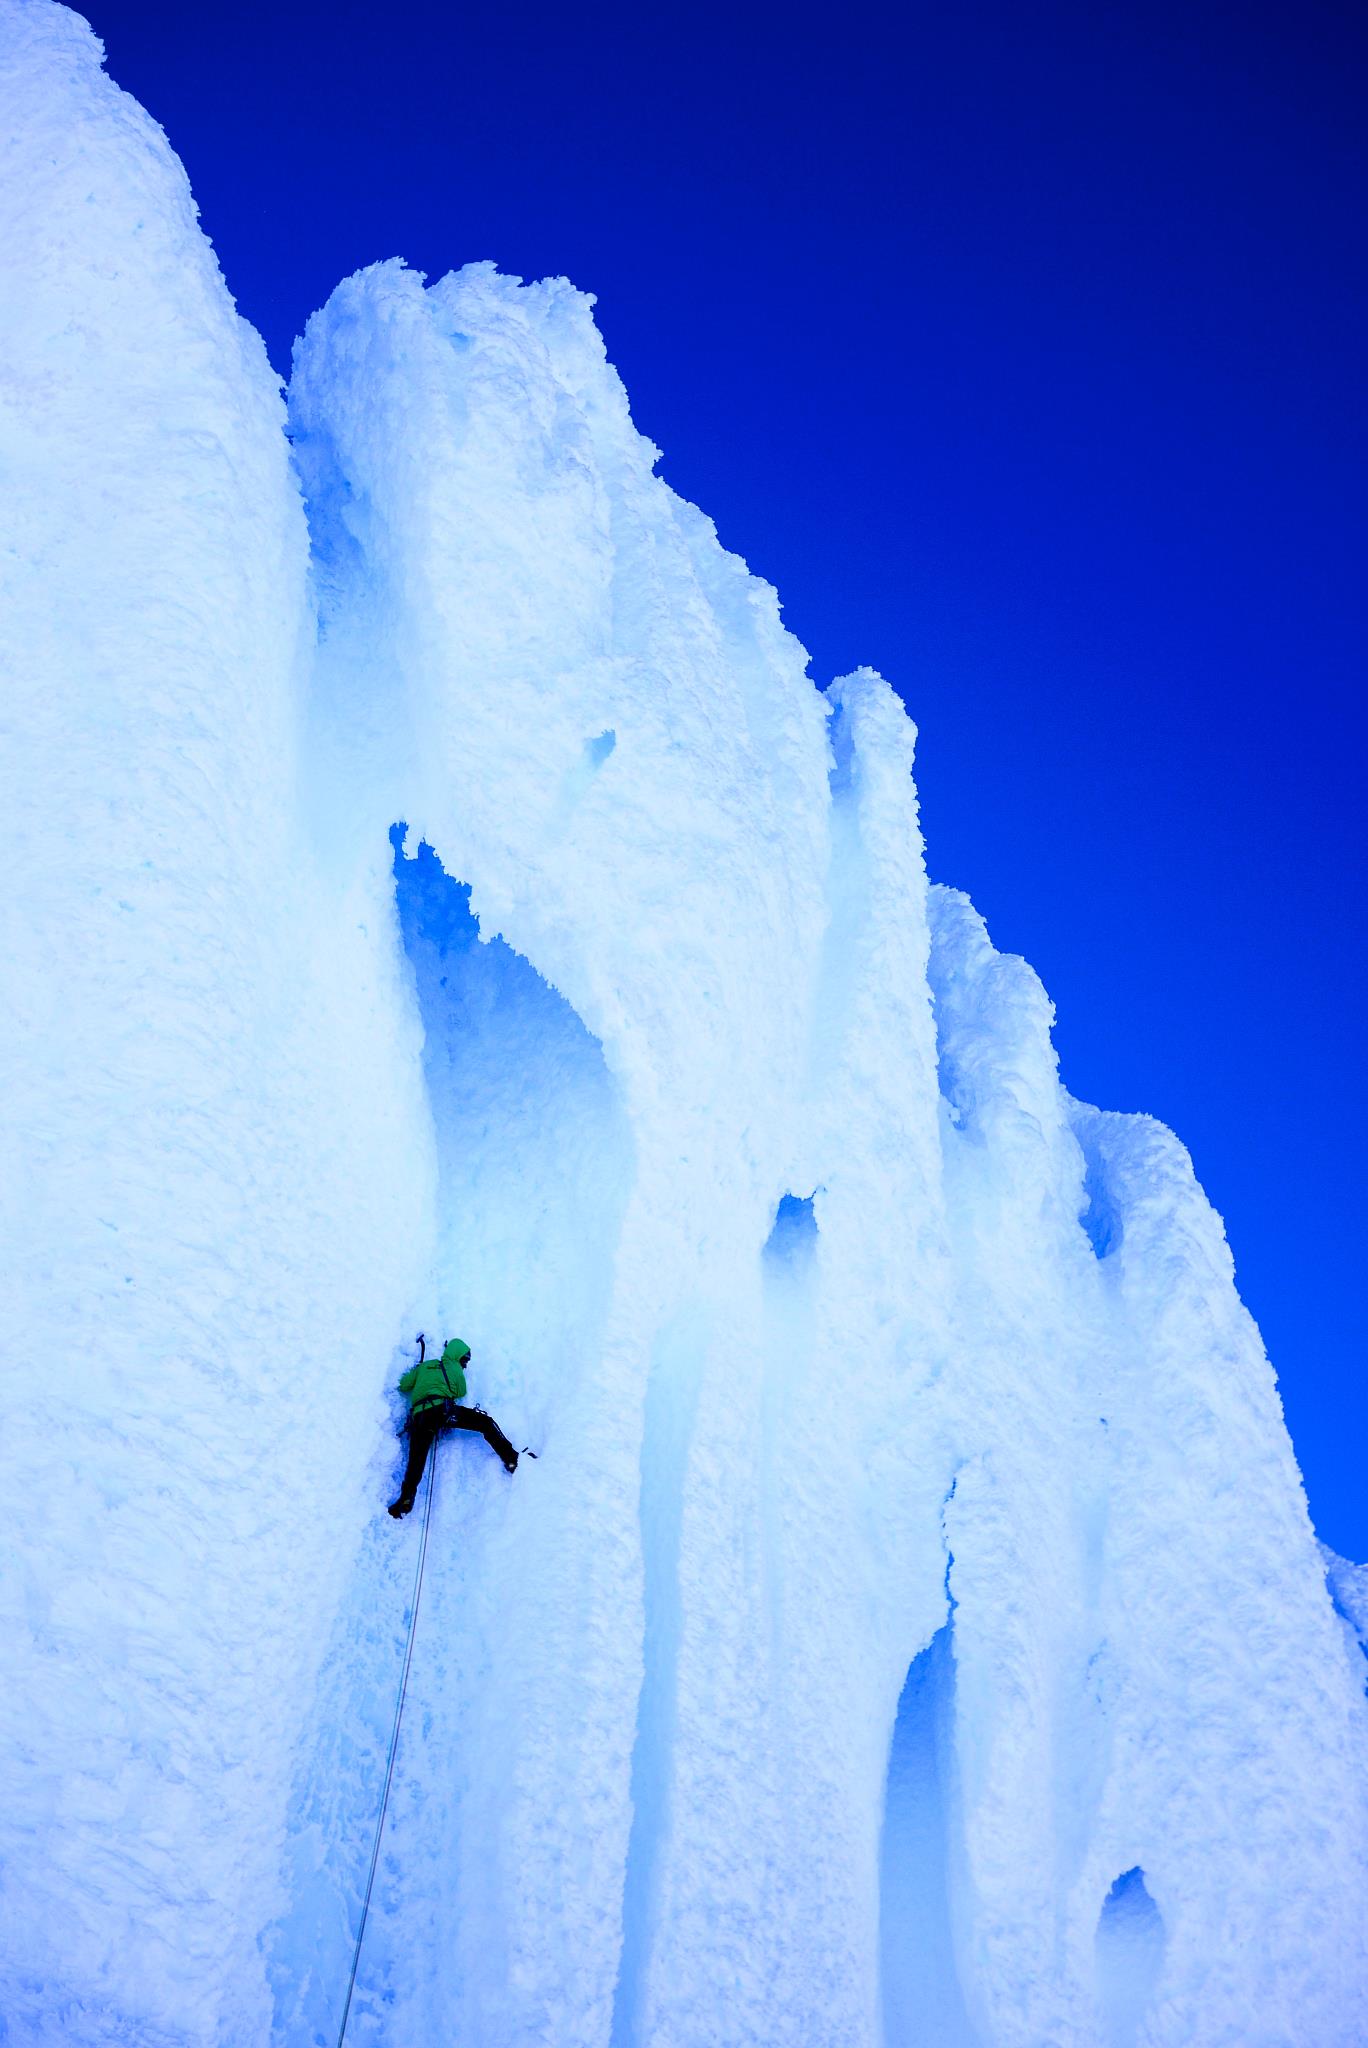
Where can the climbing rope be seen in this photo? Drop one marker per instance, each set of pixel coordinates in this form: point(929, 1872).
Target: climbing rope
point(394, 1740)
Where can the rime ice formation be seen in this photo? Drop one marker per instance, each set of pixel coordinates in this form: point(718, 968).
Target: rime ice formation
point(439, 898)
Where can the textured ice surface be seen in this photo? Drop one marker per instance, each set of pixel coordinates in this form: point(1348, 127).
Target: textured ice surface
point(438, 897)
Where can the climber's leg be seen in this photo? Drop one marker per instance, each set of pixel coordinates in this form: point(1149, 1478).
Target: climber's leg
point(423, 1430)
point(488, 1428)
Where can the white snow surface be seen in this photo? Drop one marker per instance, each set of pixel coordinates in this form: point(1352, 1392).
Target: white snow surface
point(911, 1629)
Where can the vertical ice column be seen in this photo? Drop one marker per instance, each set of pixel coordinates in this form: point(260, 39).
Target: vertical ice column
point(1128, 1491)
point(1234, 1721)
point(1029, 1339)
point(206, 1231)
point(809, 1557)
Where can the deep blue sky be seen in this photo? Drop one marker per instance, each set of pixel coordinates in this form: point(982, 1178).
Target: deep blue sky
point(1020, 347)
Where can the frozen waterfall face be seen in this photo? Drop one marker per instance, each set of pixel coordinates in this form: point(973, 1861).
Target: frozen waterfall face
point(440, 899)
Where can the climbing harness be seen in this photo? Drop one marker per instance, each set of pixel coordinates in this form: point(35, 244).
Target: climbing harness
point(394, 1740)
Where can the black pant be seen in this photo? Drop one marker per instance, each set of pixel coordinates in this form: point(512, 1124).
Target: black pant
point(427, 1425)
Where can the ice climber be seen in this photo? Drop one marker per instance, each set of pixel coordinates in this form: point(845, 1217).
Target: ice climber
point(436, 1388)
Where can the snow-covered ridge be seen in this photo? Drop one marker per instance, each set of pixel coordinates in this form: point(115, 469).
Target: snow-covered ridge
point(438, 897)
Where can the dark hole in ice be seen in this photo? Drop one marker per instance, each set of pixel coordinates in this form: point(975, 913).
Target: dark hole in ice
point(1130, 1956)
point(921, 1992)
point(794, 1234)
point(1099, 1217)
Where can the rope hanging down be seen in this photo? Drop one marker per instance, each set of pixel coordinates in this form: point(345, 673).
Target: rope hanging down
point(394, 1741)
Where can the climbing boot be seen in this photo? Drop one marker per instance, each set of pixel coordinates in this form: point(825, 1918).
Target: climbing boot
point(401, 1506)
point(510, 1459)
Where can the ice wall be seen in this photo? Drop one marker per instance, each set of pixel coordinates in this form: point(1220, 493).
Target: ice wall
point(441, 898)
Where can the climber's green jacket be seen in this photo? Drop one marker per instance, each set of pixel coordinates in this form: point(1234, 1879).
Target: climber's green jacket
point(437, 1379)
